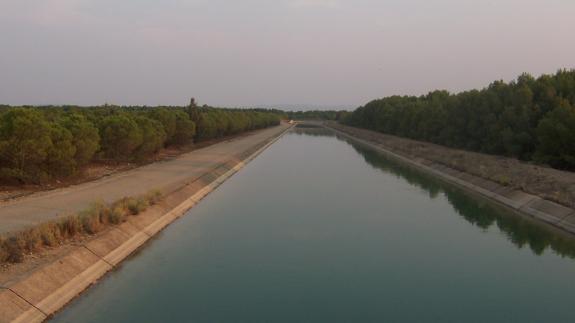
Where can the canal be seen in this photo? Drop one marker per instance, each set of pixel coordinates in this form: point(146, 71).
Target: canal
point(320, 229)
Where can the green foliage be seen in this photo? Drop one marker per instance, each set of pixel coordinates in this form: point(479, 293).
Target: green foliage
point(41, 143)
point(85, 137)
point(317, 115)
point(120, 136)
point(530, 119)
point(153, 136)
point(185, 129)
point(556, 133)
point(216, 123)
point(60, 159)
point(25, 143)
point(167, 119)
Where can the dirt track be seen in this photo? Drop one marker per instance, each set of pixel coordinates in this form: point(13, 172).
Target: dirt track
point(166, 176)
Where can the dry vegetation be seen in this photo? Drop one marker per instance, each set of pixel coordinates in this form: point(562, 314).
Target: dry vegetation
point(545, 182)
point(96, 218)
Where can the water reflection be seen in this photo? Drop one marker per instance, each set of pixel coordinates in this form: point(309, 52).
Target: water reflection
point(521, 232)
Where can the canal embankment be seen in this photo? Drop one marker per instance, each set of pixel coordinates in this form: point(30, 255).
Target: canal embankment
point(533, 202)
point(33, 295)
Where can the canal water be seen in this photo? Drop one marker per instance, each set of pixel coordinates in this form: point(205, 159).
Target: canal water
point(320, 229)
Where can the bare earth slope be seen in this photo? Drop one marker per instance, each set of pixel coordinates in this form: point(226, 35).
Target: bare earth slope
point(545, 182)
point(166, 176)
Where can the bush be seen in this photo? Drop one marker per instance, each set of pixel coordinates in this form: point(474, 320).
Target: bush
point(14, 247)
point(70, 226)
point(154, 197)
point(50, 234)
point(142, 204)
point(94, 217)
point(117, 215)
point(90, 221)
point(31, 239)
point(136, 205)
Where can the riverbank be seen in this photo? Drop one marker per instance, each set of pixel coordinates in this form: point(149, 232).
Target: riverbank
point(520, 199)
point(35, 294)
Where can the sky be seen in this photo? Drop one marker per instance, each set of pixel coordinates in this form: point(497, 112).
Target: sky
point(297, 53)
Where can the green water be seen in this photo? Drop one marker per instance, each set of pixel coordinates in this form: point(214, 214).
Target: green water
point(318, 229)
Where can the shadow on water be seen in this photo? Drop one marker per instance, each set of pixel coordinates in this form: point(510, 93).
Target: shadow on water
point(520, 231)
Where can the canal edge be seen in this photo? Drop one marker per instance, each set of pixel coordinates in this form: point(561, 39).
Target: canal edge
point(517, 201)
point(41, 293)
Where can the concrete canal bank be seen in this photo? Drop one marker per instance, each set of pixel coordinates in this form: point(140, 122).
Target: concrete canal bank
point(520, 202)
point(35, 295)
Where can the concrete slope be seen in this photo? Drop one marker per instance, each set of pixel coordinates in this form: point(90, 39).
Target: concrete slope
point(522, 203)
point(166, 176)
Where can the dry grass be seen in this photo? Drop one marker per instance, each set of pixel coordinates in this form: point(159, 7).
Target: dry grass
point(96, 218)
point(545, 182)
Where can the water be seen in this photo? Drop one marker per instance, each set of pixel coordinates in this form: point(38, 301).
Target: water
point(319, 229)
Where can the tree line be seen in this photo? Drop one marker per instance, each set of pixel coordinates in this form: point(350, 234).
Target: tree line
point(532, 119)
point(41, 143)
point(316, 115)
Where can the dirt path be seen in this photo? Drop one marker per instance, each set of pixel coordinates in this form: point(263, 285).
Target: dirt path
point(166, 176)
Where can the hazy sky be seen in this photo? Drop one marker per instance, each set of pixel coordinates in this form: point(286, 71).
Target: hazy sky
point(254, 52)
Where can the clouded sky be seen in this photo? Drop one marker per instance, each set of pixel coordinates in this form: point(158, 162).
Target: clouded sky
point(270, 52)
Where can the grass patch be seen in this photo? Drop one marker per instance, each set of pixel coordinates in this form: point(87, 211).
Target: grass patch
point(94, 219)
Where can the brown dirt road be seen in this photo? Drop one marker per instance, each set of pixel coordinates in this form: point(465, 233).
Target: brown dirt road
point(166, 176)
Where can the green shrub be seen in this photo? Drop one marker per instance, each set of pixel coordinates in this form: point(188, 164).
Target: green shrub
point(154, 197)
point(117, 215)
point(90, 222)
point(131, 204)
point(142, 204)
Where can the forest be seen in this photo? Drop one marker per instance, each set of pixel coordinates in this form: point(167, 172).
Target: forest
point(532, 119)
point(316, 115)
point(38, 144)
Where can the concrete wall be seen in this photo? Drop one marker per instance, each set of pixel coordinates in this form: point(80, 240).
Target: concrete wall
point(41, 293)
point(526, 204)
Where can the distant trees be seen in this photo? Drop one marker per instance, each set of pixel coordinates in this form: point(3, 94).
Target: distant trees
point(530, 119)
point(25, 141)
point(556, 134)
point(316, 115)
point(85, 137)
point(39, 143)
point(185, 129)
point(120, 136)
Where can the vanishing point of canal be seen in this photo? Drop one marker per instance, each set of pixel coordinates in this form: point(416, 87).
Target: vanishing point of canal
point(320, 229)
